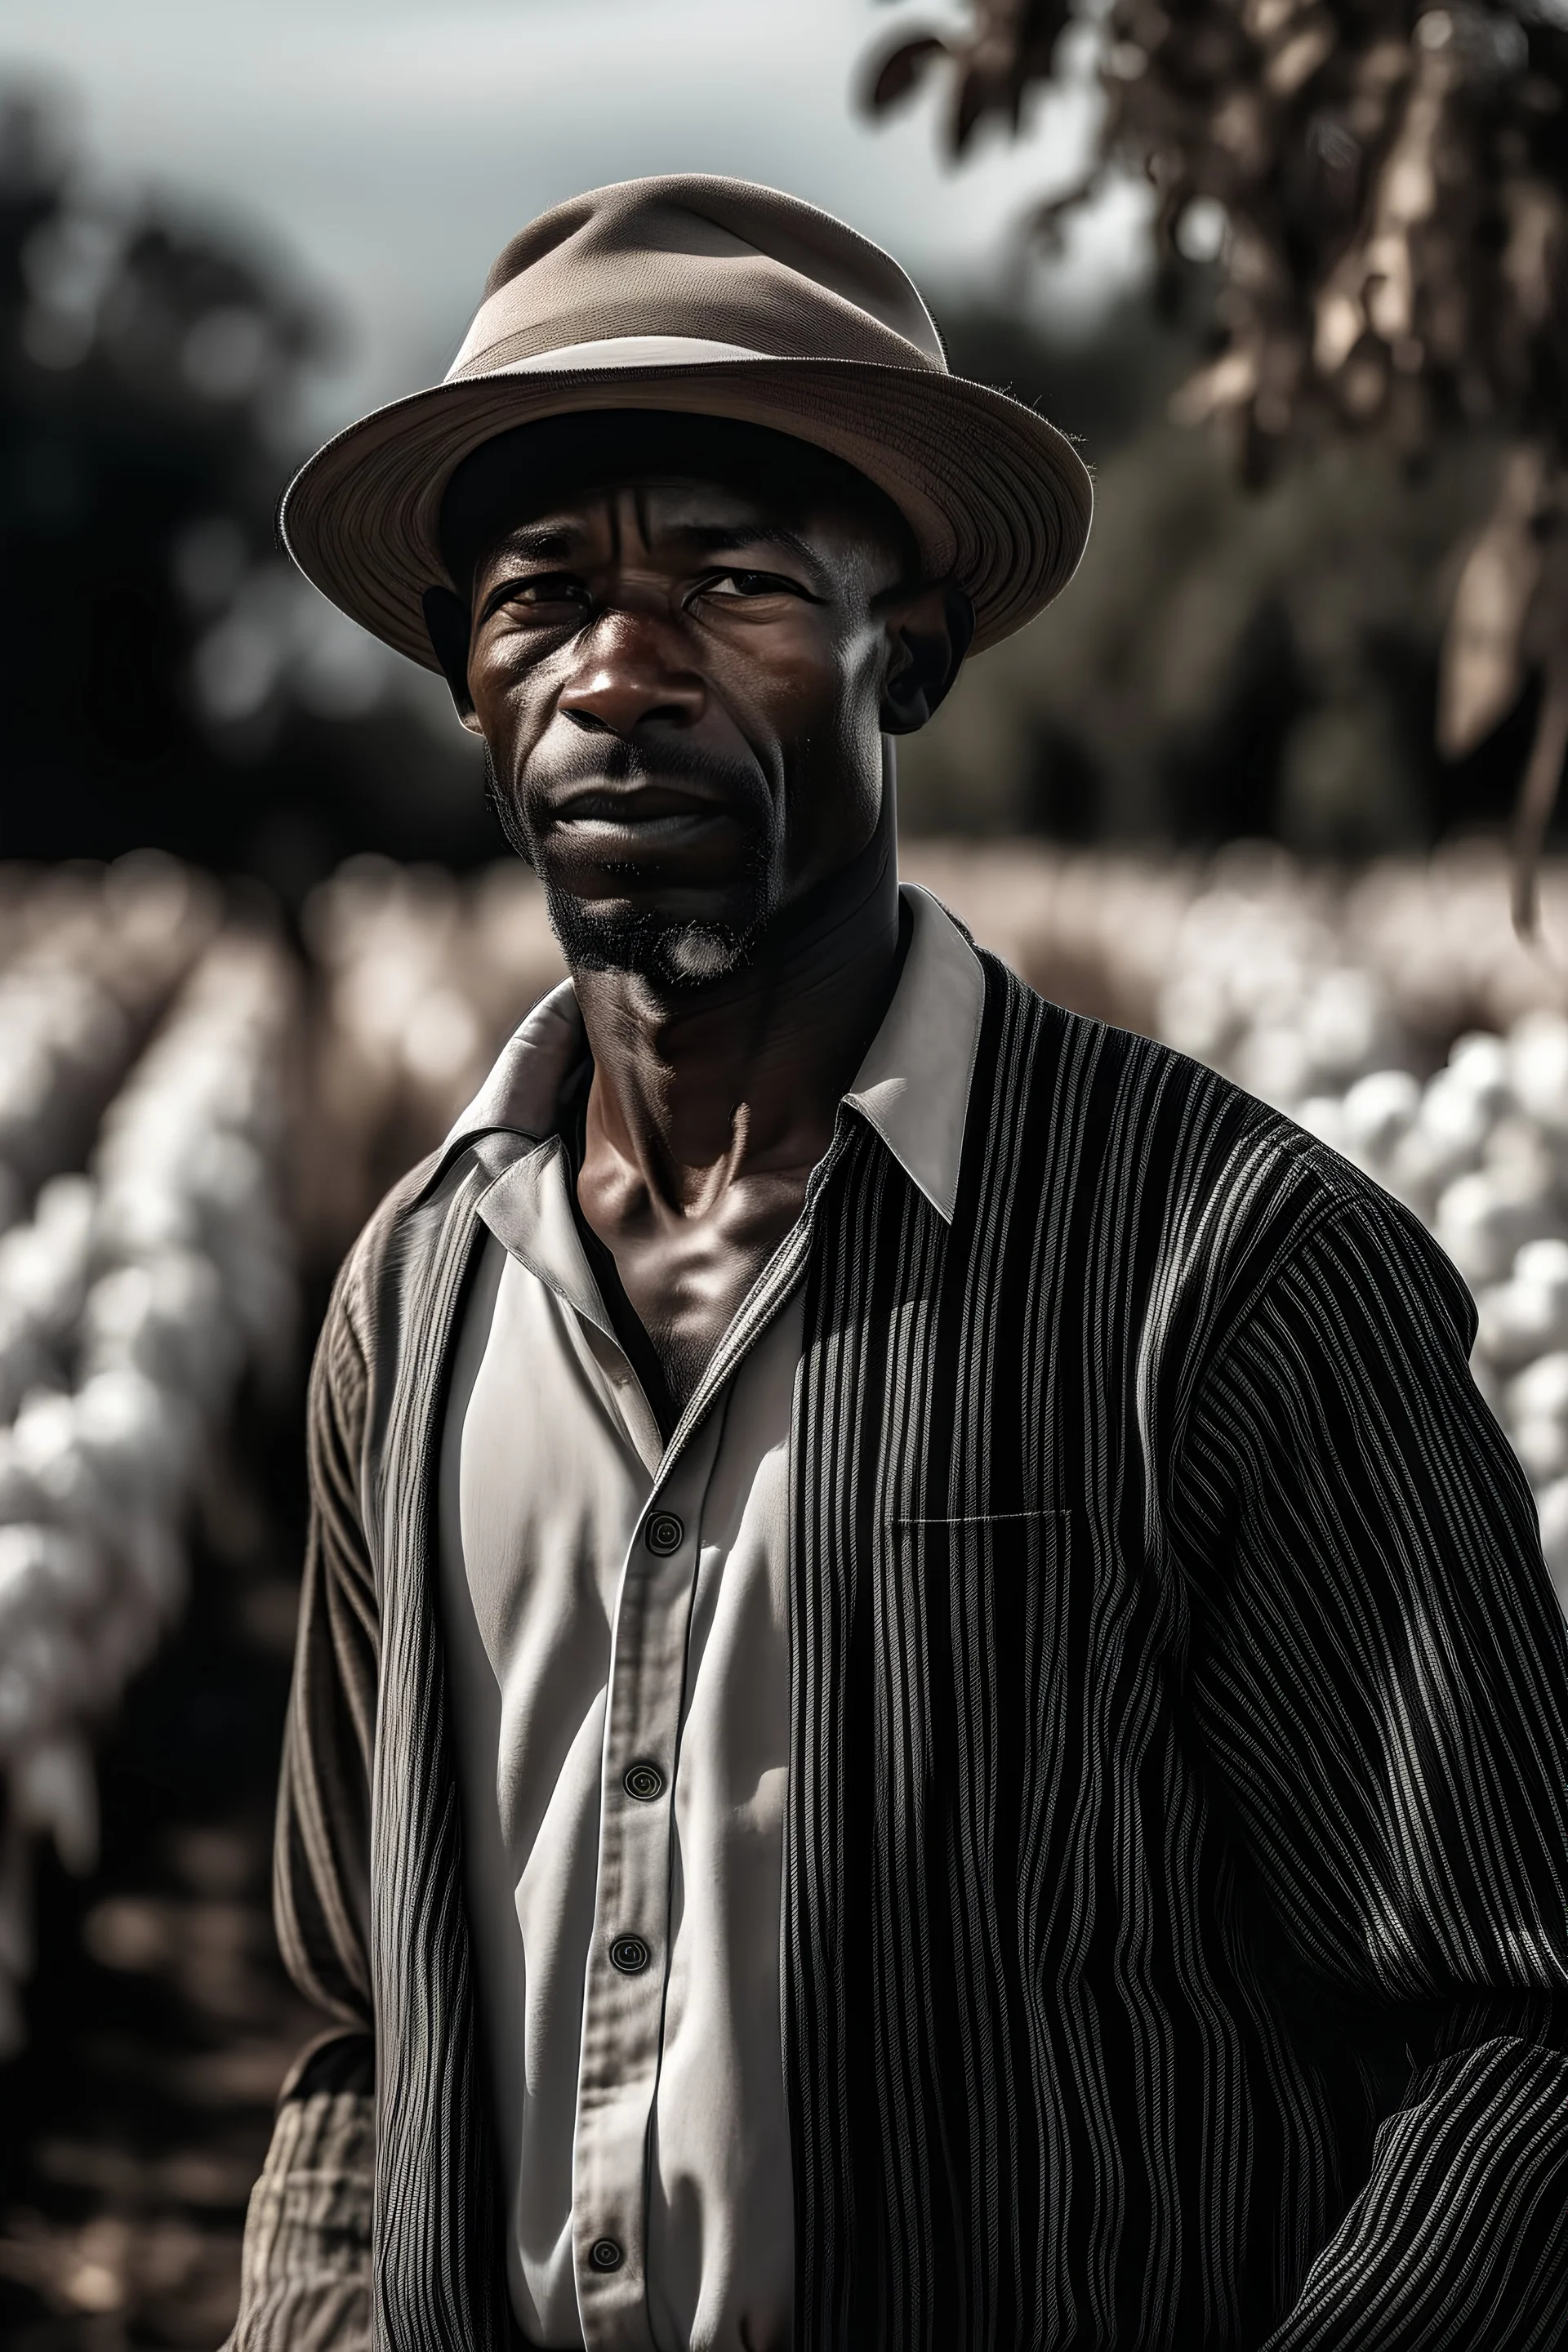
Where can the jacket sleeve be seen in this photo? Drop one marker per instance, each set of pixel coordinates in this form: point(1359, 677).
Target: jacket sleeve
point(1378, 1676)
point(305, 2280)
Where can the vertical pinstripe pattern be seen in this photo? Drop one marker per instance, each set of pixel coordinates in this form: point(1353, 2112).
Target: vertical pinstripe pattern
point(1176, 1921)
point(438, 2278)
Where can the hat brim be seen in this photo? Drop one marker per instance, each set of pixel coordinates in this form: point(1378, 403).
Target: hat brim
point(999, 500)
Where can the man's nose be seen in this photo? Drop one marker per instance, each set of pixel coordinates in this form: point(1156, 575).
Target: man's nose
point(628, 681)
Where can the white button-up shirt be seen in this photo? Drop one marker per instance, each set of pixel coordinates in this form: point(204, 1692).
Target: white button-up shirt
point(616, 1620)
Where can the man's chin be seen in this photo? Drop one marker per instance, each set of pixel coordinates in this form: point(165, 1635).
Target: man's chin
point(676, 954)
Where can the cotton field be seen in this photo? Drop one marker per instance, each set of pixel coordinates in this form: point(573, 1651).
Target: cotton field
point(148, 1261)
point(195, 1113)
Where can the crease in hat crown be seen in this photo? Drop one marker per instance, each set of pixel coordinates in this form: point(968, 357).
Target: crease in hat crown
point(698, 294)
point(689, 257)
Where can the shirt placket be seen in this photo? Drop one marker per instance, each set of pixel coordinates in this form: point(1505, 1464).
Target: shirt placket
point(629, 1962)
point(628, 1973)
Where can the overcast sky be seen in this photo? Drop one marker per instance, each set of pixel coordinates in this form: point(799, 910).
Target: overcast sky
point(392, 146)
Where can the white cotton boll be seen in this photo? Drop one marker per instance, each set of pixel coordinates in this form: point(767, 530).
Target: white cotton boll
point(1480, 1063)
point(28, 1274)
point(45, 1450)
point(1270, 989)
point(1521, 1318)
point(55, 1789)
point(117, 1306)
point(1518, 1144)
point(43, 1264)
point(1446, 1140)
point(1541, 1392)
point(1274, 1064)
point(379, 995)
point(1538, 1068)
point(443, 1039)
point(137, 1438)
point(1545, 1264)
point(1324, 1116)
point(141, 1218)
point(1379, 1110)
point(1483, 1219)
point(1543, 1449)
point(1346, 1027)
point(64, 1208)
point(1553, 1503)
point(45, 1572)
point(1456, 1115)
point(166, 1320)
point(1417, 1169)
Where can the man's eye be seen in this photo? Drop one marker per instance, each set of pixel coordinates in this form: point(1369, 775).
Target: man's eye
point(748, 583)
point(550, 595)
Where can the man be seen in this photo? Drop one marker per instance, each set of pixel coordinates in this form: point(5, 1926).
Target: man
point(927, 1713)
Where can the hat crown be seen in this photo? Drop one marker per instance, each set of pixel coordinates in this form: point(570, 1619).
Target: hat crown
point(709, 260)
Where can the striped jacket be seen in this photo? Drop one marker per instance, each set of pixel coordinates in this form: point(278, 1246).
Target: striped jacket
point(1176, 1904)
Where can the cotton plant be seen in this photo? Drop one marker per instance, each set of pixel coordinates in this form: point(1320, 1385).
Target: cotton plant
point(1479, 1152)
point(83, 983)
point(130, 1303)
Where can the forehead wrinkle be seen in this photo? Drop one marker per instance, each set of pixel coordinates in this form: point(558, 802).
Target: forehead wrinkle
point(561, 539)
point(543, 541)
point(709, 537)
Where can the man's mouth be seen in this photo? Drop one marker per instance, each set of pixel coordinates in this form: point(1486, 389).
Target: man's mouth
point(652, 813)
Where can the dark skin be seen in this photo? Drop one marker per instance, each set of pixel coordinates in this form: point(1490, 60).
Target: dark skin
point(684, 684)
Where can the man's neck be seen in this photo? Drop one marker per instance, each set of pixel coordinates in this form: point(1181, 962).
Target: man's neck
point(743, 1078)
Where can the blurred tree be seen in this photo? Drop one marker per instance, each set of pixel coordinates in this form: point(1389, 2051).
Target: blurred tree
point(1383, 186)
point(165, 677)
point(1229, 661)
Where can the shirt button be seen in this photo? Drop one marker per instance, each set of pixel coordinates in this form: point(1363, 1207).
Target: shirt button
point(605, 2254)
point(630, 1955)
point(643, 1781)
point(663, 1533)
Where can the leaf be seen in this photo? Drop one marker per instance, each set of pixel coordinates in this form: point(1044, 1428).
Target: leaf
point(1537, 797)
point(974, 101)
point(1483, 661)
point(901, 71)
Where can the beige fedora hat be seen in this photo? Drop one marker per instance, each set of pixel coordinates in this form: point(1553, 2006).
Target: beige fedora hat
point(703, 295)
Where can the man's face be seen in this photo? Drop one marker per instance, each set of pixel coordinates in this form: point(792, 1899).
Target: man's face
point(681, 682)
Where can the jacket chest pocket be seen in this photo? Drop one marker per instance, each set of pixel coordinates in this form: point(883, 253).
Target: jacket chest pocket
point(974, 1623)
point(987, 1552)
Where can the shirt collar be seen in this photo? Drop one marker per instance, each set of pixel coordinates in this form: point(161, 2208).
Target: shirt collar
point(913, 1086)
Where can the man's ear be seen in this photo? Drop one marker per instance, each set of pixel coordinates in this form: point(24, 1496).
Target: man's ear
point(447, 623)
point(931, 631)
